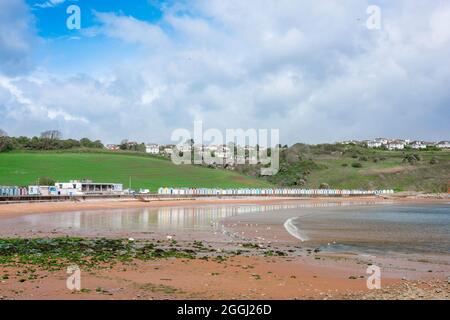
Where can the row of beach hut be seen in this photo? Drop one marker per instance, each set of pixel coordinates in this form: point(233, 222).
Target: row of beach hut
point(276, 191)
point(13, 191)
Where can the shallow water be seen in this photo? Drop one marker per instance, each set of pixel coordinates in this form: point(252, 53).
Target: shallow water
point(192, 218)
point(365, 227)
point(396, 228)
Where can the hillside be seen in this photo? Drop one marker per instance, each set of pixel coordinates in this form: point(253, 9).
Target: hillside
point(24, 168)
point(348, 166)
point(351, 166)
point(308, 166)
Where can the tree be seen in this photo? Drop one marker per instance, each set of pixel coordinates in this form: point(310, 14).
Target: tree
point(85, 142)
point(5, 144)
point(51, 134)
point(46, 181)
point(3, 133)
point(123, 144)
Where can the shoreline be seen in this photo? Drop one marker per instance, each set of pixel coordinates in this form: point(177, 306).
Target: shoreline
point(17, 209)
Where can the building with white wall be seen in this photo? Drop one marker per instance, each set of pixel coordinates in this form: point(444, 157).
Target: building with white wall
point(77, 187)
point(152, 148)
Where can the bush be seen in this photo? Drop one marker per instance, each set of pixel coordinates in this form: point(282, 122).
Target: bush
point(356, 165)
point(434, 160)
point(344, 165)
point(324, 186)
point(363, 158)
point(46, 181)
point(412, 158)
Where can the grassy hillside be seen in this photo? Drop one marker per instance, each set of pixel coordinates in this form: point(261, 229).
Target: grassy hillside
point(300, 166)
point(345, 166)
point(24, 168)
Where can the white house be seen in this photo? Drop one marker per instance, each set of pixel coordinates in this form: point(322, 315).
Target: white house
point(350, 142)
point(168, 150)
point(212, 147)
point(383, 141)
point(374, 144)
point(184, 148)
point(418, 145)
point(396, 145)
point(443, 144)
point(152, 148)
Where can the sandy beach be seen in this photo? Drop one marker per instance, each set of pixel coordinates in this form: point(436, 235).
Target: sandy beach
point(295, 271)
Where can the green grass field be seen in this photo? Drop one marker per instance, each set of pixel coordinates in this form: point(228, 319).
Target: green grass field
point(24, 168)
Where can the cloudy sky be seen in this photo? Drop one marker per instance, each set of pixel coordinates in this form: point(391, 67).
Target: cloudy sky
point(140, 69)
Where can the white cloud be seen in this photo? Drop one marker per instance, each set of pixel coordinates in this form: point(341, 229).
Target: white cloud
point(18, 104)
point(311, 69)
point(17, 37)
point(49, 3)
point(130, 30)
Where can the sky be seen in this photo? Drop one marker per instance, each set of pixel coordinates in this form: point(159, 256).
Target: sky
point(140, 69)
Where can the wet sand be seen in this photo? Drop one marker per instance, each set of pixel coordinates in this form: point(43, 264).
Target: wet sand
point(239, 277)
point(302, 274)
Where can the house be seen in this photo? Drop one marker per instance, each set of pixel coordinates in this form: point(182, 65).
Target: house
point(377, 142)
point(131, 144)
point(168, 150)
point(383, 141)
point(374, 144)
point(350, 142)
point(418, 145)
point(211, 148)
point(77, 187)
point(396, 145)
point(112, 147)
point(443, 144)
point(152, 148)
point(185, 148)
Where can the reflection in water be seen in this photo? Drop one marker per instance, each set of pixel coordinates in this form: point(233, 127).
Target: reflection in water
point(146, 219)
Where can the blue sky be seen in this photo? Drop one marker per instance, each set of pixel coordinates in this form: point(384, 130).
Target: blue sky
point(51, 19)
point(143, 68)
point(64, 46)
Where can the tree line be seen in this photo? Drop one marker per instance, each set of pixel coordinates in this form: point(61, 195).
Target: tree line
point(48, 140)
